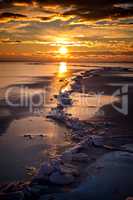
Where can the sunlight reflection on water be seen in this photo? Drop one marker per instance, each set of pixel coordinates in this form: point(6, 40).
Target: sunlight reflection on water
point(62, 70)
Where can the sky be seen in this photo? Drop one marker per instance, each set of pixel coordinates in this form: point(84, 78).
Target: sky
point(91, 30)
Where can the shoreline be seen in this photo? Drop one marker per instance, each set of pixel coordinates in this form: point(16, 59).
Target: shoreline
point(67, 169)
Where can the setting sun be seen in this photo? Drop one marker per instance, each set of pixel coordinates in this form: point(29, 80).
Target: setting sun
point(63, 50)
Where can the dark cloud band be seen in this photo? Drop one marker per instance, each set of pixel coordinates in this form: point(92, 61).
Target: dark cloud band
point(85, 9)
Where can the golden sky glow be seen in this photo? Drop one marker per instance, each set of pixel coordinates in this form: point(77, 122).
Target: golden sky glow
point(35, 30)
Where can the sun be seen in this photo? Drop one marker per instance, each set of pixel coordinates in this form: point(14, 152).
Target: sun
point(63, 50)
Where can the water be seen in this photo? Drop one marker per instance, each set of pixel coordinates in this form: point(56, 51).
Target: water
point(48, 140)
point(16, 151)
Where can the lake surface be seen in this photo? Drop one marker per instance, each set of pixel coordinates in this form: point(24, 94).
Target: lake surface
point(21, 83)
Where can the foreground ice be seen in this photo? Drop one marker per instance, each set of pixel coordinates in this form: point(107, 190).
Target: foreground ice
point(111, 179)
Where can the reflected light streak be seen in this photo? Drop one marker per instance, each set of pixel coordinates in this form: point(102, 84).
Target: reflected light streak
point(62, 68)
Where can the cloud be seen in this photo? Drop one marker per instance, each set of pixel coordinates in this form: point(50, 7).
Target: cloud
point(84, 9)
point(8, 41)
point(97, 13)
point(82, 25)
point(8, 16)
point(11, 15)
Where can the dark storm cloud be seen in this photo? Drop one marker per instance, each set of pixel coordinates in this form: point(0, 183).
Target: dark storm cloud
point(85, 9)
